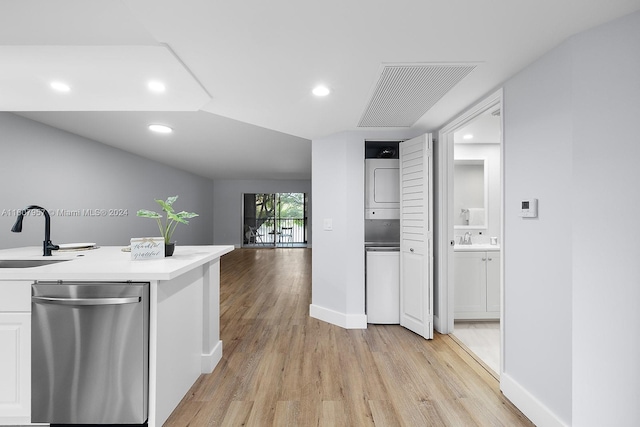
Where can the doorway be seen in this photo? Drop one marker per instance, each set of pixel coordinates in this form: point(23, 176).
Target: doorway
point(469, 283)
point(274, 220)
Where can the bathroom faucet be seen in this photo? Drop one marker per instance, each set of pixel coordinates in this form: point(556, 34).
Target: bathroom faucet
point(466, 240)
point(47, 246)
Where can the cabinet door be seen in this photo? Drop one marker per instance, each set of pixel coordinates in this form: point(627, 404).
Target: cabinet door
point(15, 366)
point(470, 292)
point(383, 287)
point(493, 282)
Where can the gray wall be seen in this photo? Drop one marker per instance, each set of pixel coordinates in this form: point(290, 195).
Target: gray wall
point(60, 171)
point(537, 252)
point(572, 323)
point(227, 205)
point(606, 198)
point(338, 255)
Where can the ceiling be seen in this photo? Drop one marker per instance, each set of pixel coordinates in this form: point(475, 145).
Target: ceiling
point(484, 129)
point(239, 75)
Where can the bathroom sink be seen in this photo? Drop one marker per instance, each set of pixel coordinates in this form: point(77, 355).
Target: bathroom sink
point(28, 263)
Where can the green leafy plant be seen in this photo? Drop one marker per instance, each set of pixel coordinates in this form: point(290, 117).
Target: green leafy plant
point(171, 221)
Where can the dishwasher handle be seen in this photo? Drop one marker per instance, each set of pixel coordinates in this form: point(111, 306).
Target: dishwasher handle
point(86, 301)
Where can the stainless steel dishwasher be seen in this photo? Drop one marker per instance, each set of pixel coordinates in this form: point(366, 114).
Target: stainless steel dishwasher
point(89, 353)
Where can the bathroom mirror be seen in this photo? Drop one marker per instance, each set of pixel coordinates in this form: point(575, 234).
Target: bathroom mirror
point(470, 193)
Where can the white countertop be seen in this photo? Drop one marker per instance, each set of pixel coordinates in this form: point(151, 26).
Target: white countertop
point(109, 263)
point(473, 248)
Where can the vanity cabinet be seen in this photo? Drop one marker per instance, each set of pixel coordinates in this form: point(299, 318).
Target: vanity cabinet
point(477, 285)
point(15, 348)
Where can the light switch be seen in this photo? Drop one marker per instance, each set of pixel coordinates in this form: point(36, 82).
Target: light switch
point(328, 224)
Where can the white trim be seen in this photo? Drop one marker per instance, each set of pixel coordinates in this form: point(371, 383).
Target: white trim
point(535, 410)
point(445, 203)
point(346, 321)
point(210, 361)
point(437, 325)
point(441, 245)
point(502, 233)
point(490, 101)
point(18, 421)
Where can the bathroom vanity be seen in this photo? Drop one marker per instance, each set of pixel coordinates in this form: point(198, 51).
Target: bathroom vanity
point(183, 324)
point(477, 282)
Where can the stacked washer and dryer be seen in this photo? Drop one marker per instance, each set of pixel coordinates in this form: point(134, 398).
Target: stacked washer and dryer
point(382, 240)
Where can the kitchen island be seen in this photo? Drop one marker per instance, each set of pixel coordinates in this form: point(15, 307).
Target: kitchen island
point(184, 313)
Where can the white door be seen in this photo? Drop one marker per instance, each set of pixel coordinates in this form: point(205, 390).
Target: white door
point(416, 236)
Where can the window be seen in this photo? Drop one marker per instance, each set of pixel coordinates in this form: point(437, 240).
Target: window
point(275, 219)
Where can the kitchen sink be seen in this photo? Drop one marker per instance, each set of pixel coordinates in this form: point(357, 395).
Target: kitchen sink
point(28, 263)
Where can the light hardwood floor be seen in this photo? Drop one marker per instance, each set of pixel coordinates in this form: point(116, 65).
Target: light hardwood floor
point(283, 368)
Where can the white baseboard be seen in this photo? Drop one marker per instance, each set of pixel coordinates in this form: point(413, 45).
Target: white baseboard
point(528, 404)
point(440, 326)
point(18, 421)
point(210, 361)
point(346, 321)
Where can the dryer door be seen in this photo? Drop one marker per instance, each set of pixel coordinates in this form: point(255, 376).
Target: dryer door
point(382, 198)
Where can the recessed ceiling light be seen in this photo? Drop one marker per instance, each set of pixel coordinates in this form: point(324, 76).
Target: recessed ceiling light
point(60, 87)
point(160, 128)
point(467, 136)
point(156, 86)
point(321, 90)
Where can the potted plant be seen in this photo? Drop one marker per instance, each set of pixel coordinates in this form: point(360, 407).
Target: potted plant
point(171, 221)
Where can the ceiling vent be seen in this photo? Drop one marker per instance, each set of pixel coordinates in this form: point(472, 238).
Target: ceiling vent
point(405, 92)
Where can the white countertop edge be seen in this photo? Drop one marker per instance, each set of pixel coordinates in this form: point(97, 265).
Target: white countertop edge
point(476, 248)
point(110, 264)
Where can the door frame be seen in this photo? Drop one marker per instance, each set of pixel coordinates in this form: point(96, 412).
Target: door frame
point(443, 322)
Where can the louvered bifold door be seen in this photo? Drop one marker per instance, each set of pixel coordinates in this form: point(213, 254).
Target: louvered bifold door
point(416, 236)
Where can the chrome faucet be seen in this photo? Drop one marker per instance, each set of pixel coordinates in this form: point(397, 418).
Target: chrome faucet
point(466, 240)
point(47, 246)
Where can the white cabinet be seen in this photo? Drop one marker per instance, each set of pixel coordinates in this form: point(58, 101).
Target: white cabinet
point(493, 283)
point(477, 285)
point(383, 286)
point(15, 369)
point(15, 352)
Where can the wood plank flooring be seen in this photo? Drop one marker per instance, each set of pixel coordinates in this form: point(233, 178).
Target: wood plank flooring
point(281, 367)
